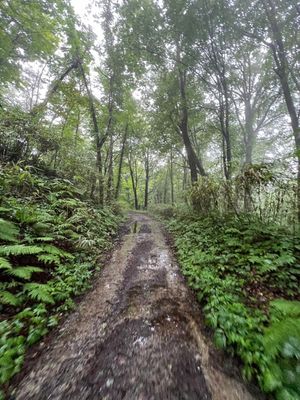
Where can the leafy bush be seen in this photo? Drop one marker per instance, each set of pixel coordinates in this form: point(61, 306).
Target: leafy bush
point(258, 190)
point(239, 269)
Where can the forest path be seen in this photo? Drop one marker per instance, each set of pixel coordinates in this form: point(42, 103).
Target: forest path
point(136, 335)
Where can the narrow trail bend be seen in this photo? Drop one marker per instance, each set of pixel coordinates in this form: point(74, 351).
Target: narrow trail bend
point(135, 336)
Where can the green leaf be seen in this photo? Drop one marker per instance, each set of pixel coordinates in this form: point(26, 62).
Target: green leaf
point(20, 249)
point(24, 272)
point(39, 291)
point(272, 379)
point(8, 231)
point(4, 263)
point(9, 298)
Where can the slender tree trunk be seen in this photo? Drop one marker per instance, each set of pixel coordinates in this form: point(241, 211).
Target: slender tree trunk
point(282, 70)
point(99, 168)
point(184, 179)
point(99, 141)
point(249, 137)
point(134, 185)
point(119, 178)
point(249, 132)
point(172, 177)
point(224, 123)
point(228, 139)
point(194, 163)
point(110, 171)
point(165, 190)
point(147, 175)
point(184, 129)
point(54, 86)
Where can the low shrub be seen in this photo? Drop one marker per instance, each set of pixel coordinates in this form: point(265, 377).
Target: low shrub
point(247, 275)
point(50, 242)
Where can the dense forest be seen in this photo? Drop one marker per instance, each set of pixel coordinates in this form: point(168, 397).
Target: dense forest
point(187, 109)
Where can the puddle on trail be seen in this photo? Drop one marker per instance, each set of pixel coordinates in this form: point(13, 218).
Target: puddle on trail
point(134, 228)
point(138, 227)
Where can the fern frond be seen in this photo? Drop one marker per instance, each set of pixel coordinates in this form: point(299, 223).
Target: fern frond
point(9, 298)
point(4, 263)
point(86, 243)
point(49, 258)
point(8, 231)
point(20, 249)
point(50, 249)
point(39, 291)
point(24, 272)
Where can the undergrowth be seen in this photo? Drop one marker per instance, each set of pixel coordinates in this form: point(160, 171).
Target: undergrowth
point(246, 275)
point(50, 241)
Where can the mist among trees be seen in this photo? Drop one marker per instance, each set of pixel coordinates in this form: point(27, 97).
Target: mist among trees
point(189, 109)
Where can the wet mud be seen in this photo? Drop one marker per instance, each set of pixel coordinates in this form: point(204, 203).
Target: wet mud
point(136, 336)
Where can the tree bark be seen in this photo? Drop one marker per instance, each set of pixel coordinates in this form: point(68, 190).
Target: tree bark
point(98, 140)
point(282, 70)
point(134, 184)
point(172, 177)
point(195, 164)
point(119, 178)
point(110, 171)
point(147, 175)
point(184, 129)
point(224, 124)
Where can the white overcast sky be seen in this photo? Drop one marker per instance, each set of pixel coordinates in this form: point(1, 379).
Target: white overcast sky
point(80, 7)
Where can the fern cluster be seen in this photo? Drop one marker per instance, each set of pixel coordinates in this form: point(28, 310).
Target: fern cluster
point(50, 240)
point(247, 276)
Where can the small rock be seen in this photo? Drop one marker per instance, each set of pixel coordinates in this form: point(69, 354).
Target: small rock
point(109, 382)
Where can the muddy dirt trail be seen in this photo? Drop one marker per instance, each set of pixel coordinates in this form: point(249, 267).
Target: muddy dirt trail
point(135, 336)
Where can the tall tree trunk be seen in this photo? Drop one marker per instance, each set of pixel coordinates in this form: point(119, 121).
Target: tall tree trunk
point(224, 124)
point(249, 137)
point(98, 140)
point(165, 190)
point(195, 164)
point(184, 178)
point(147, 175)
point(249, 132)
point(134, 184)
point(282, 70)
point(110, 171)
point(119, 178)
point(227, 138)
point(184, 128)
point(172, 177)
